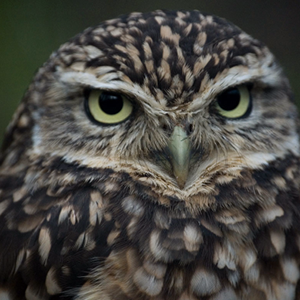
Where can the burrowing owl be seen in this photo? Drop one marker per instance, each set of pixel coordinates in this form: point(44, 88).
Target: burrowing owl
point(155, 156)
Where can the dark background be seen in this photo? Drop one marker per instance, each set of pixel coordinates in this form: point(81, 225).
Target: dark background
point(30, 30)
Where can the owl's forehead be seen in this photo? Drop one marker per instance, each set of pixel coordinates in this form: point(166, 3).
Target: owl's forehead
point(170, 55)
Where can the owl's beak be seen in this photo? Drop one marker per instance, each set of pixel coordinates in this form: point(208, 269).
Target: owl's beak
point(180, 148)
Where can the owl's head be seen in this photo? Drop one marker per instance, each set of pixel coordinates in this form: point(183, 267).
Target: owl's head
point(180, 101)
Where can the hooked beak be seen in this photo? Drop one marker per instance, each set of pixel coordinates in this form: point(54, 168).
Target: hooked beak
point(179, 147)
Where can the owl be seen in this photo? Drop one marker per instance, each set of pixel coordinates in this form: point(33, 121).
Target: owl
point(153, 157)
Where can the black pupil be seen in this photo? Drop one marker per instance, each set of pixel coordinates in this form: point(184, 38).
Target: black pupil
point(111, 103)
point(229, 100)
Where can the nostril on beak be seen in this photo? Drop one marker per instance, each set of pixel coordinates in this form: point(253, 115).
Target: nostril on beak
point(189, 128)
point(164, 127)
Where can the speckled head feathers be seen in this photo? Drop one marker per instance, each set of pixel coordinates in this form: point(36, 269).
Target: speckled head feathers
point(168, 54)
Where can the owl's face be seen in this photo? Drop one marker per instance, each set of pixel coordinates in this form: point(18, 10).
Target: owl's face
point(179, 102)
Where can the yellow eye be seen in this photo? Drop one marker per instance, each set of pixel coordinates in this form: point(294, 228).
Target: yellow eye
point(108, 107)
point(234, 103)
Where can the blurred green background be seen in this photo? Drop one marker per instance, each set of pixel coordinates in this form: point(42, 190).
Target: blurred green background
point(30, 30)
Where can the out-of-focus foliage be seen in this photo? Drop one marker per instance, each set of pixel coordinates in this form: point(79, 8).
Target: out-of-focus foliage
point(30, 30)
